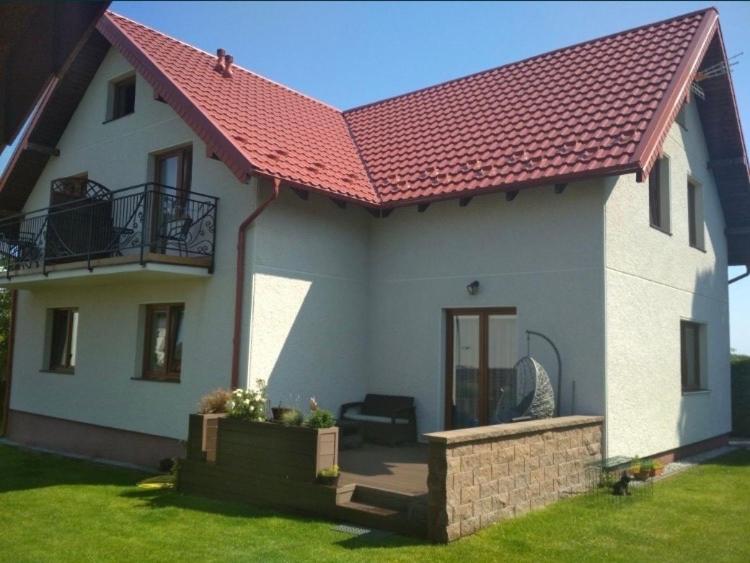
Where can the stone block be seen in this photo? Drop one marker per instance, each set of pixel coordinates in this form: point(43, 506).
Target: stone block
point(469, 461)
point(500, 470)
point(469, 493)
point(482, 474)
point(489, 489)
point(469, 526)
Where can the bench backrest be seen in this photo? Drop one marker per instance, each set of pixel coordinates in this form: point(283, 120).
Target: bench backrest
point(385, 405)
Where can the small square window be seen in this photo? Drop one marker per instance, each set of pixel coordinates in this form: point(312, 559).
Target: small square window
point(123, 98)
point(658, 195)
point(63, 340)
point(162, 358)
point(692, 337)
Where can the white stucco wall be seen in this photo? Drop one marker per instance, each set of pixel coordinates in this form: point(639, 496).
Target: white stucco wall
point(309, 301)
point(653, 281)
point(102, 391)
point(541, 253)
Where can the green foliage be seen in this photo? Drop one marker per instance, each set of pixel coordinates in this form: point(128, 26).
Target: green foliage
point(320, 418)
point(215, 401)
point(332, 471)
point(292, 418)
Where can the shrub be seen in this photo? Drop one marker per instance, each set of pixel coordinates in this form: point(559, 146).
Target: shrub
point(320, 418)
point(292, 418)
point(249, 404)
point(214, 402)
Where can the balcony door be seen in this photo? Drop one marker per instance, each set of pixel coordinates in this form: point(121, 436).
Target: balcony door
point(481, 351)
point(173, 176)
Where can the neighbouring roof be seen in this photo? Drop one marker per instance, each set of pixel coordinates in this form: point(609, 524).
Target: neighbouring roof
point(598, 108)
point(37, 41)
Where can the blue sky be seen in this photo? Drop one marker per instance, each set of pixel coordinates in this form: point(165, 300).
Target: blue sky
point(351, 53)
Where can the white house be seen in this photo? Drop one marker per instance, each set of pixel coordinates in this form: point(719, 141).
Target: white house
point(596, 194)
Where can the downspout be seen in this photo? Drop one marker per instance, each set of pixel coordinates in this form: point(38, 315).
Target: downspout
point(9, 362)
point(239, 290)
point(741, 276)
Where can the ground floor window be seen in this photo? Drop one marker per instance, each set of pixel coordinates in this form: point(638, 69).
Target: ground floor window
point(692, 337)
point(163, 344)
point(63, 339)
point(481, 351)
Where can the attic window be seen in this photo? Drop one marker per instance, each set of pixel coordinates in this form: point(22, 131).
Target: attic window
point(658, 195)
point(123, 98)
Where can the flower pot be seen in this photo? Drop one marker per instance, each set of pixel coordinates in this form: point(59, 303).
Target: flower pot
point(643, 475)
point(279, 412)
point(328, 480)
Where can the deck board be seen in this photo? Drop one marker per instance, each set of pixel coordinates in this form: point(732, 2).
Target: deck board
point(400, 468)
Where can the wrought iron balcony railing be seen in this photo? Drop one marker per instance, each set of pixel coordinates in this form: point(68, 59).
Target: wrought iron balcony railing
point(134, 223)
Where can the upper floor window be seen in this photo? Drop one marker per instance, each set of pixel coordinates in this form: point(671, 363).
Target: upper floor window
point(122, 96)
point(692, 338)
point(63, 339)
point(658, 194)
point(695, 214)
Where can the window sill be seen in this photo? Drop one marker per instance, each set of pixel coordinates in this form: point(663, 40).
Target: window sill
point(686, 392)
point(661, 230)
point(703, 250)
point(117, 118)
point(154, 380)
point(58, 371)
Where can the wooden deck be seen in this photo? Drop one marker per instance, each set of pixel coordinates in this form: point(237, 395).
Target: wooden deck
point(400, 468)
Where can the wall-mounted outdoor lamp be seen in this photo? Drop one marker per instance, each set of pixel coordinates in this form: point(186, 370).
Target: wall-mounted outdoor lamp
point(473, 288)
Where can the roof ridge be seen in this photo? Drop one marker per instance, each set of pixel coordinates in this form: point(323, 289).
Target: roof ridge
point(234, 65)
point(527, 59)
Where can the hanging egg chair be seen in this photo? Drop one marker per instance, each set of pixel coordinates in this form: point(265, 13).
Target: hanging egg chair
point(529, 395)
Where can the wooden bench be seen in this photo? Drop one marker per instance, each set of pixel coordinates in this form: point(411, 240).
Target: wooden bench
point(383, 419)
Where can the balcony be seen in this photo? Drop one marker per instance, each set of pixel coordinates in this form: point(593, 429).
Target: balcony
point(148, 231)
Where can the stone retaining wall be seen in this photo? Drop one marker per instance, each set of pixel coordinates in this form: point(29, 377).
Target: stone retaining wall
point(478, 476)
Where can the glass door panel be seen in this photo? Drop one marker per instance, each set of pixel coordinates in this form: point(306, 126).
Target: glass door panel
point(501, 358)
point(466, 373)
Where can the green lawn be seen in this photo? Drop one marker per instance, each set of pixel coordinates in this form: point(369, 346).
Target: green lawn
point(66, 510)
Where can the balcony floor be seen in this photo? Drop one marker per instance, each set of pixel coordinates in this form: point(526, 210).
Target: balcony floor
point(155, 266)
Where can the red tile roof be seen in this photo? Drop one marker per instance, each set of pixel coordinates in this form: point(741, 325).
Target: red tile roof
point(600, 107)
point(573, 112)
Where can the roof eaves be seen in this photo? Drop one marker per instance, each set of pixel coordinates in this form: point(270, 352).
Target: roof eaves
point(678, 90)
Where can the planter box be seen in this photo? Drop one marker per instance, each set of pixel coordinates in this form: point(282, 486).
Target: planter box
point(264, 449)
point(202, 435)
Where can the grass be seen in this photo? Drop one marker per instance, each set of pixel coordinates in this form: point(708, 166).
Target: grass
point(59, 509)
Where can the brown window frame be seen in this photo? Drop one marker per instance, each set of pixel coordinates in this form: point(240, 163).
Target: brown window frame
point(695, 221)
point(70, 361)
point(168, 373)
point(484, 314)
point(121, 106)
point(697, 329)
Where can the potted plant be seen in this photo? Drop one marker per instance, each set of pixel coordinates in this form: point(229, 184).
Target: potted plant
point(329, 476)
point(645, 470)
point(657, 468)
point(279, 412)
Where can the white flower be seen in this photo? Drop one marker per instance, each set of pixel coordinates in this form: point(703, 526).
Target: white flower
point(252, 408)
point(230, 404)
point(246, 401)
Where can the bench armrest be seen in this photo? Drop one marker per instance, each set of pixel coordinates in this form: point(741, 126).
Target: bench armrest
point(346, 406)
